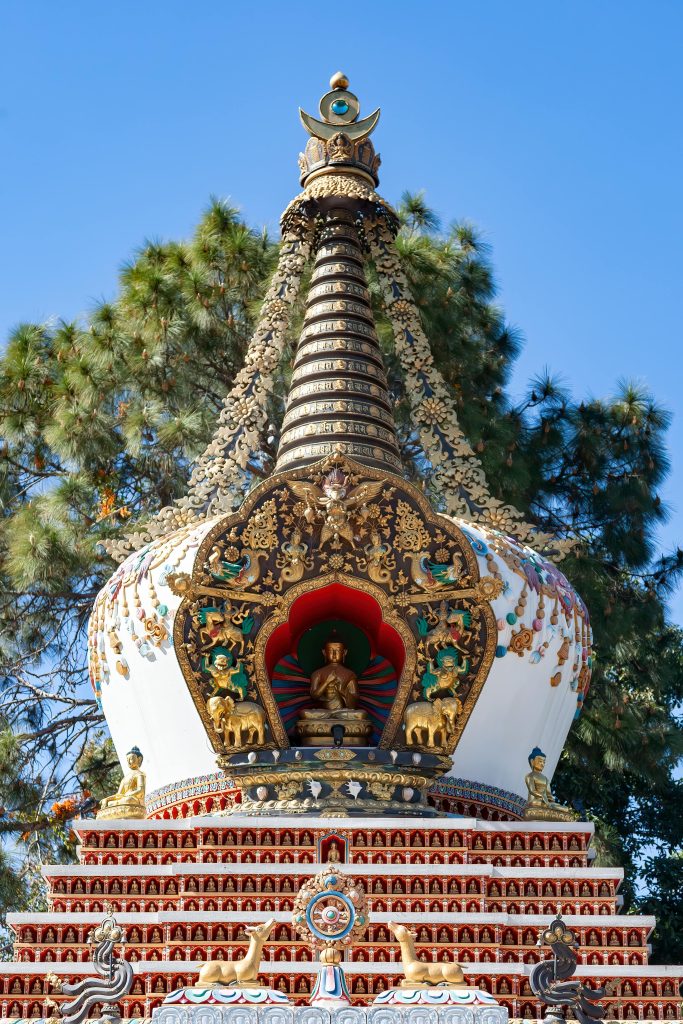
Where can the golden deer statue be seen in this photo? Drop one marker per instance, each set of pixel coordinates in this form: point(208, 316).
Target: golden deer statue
point(416, 973)
point(242, 972)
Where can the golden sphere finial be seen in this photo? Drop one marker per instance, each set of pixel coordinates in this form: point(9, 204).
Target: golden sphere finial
point(339, 81)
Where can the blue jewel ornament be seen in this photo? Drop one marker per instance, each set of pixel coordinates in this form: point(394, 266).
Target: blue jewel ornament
point(340, 107)
point(501, 651)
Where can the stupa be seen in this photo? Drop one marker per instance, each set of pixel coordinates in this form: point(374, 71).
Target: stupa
point(325, 668)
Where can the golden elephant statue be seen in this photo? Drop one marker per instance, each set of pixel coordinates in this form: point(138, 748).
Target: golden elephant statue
point(431, 724)
point(241, 724)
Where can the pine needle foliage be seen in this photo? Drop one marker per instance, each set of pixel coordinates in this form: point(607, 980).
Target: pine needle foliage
point(99, 423)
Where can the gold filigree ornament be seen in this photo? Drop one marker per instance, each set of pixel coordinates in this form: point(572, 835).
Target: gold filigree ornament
point(521, 640)
point(155, 630)
point(334, 523)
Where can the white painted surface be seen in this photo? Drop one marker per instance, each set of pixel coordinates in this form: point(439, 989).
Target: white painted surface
point(303, 823)
point(482, 968)
point(360, 870)
point(153, 708)
point(517, 709)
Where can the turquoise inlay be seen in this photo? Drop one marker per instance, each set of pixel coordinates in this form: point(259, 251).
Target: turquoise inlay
point(340, 107)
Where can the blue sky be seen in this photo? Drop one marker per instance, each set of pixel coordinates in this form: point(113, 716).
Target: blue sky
point(555, 127)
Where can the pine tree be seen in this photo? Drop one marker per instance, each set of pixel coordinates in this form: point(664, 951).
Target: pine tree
point(100, 421)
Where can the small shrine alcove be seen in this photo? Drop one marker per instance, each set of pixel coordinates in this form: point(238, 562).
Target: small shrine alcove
point(374, 652)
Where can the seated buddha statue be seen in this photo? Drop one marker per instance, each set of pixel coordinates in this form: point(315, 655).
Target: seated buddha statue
point(334, 695)
point(541, 804)
point(129, 799)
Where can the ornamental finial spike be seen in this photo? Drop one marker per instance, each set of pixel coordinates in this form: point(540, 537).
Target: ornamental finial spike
point(339, 110)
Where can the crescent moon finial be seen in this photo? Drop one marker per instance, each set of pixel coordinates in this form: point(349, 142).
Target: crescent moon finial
point(339, 110)
point(340, 139)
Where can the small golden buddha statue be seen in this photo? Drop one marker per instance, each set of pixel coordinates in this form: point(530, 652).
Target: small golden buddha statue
point(334, 718)
point(541, 804)
point(129, 799)
point(333, 854)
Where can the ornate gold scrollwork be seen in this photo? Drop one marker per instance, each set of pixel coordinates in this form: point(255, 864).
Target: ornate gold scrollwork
point(336, 523)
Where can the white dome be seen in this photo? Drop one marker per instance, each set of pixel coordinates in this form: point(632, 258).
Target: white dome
point(533, 690)
point(541, 671)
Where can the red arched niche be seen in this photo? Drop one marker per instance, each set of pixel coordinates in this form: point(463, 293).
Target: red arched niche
point(336, 601)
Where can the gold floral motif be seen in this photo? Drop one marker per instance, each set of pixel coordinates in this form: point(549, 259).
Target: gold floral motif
point(260, 532)
point(411, 534)
point(488, 588)
point(382, 790)
point(155, 630)
point(521, 640)
point(433, 410)
point(287, 790)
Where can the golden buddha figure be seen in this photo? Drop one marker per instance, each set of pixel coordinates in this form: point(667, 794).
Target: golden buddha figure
point(334, 718)
point(334, 854)
point(541, 804)
point(129, 799)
